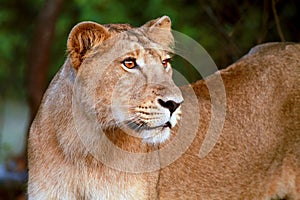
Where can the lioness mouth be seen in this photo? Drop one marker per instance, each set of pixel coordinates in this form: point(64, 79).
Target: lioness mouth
point(143, 126)
point(168, 124)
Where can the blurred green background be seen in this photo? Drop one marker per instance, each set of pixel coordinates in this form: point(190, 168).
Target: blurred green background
point(226, 29)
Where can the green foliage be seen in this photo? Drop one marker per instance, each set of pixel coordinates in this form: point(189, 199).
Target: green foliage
point(15, 34)
point(225, 29)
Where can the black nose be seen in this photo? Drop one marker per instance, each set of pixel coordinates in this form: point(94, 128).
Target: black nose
point(171, 105)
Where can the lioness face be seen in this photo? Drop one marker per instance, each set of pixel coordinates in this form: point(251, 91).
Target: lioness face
point(132, 80)
point(145, 99)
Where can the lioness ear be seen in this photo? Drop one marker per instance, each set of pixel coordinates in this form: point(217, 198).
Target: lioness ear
point(159, 30)
point(162, 22)
point(82, 38)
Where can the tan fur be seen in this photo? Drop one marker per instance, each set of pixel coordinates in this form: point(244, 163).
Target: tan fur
point(257, 155)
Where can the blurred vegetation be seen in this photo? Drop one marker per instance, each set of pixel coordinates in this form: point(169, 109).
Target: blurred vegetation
point(225, 29)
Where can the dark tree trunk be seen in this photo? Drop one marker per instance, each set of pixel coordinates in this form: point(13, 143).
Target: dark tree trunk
point(38, 63)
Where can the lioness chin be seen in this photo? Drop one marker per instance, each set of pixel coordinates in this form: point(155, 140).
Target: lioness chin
point(115, 96)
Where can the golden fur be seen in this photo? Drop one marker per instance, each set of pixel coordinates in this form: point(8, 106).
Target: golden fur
point(256, 157)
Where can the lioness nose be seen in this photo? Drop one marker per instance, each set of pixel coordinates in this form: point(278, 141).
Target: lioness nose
point(171, 105)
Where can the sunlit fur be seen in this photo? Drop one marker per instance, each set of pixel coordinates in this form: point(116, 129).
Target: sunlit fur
point(256, 157)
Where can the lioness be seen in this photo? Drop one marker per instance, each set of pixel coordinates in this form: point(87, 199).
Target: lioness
point(114, 103)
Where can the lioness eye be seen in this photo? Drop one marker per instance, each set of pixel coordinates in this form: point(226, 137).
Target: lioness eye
point(129, 63)
point(165, 62)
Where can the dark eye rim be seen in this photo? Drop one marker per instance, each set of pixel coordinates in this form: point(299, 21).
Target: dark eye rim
point(166, 61)
point(129, 59)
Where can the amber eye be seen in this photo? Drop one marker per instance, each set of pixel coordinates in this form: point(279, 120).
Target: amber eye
point(129, 63)
point(165, 62)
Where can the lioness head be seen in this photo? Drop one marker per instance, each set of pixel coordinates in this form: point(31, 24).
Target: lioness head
point(124, 78)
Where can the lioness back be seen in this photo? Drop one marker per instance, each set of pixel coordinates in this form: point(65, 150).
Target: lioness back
point(115, 92)
point(258, 153)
